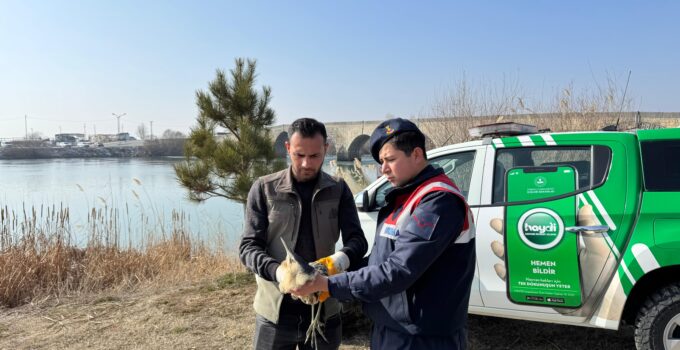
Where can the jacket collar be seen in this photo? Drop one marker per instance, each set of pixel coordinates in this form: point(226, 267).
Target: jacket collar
point(286, 183)
point(428, 172)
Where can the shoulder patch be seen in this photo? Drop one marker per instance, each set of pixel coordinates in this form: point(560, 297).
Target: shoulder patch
point(422, 224)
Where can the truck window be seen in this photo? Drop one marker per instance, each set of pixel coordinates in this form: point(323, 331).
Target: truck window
point(591, 164)
point(661, 165)
point(457, 166)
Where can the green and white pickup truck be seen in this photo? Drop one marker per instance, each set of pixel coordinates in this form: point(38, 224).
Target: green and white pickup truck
point(577, 228)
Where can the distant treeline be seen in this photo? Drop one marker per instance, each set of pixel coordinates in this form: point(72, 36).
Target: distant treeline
point(151, 148)
point(163, 147)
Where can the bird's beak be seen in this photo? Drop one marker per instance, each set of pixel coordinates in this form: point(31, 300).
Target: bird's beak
point(289, 253)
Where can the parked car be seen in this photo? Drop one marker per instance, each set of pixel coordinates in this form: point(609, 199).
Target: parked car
point(578, 228)
point(64, 144)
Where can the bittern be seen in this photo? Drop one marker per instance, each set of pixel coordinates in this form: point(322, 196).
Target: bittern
point(296, 273)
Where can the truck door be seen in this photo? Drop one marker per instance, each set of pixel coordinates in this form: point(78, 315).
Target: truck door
point(541, 257)
point(601, 185)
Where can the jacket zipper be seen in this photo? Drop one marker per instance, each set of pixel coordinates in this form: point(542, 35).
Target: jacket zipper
point(297, 219)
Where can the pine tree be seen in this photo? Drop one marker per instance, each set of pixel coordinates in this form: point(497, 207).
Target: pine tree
point(228, 166)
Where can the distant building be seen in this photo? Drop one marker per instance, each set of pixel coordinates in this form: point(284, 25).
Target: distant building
point(69, 138)
point(104, 138)
point(123, 136)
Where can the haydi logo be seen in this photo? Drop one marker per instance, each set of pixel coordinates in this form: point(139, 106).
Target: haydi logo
point(540, 181)
point(540, 228)
point(550, 228)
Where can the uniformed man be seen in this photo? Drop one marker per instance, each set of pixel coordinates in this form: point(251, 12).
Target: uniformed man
point(416, 286)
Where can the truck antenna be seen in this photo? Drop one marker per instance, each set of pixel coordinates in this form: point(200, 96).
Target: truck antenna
point(623, 99)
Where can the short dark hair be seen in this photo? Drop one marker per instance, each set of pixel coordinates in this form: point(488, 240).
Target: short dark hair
point(308, 127)
point(407, 141)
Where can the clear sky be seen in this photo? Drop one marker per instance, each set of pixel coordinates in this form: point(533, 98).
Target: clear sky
point(71, 64)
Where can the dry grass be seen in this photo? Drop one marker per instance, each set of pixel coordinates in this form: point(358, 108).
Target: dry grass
point(38, 258)
point(209, 314)
point(200, 315)
point(356, 177)
point(216, 314)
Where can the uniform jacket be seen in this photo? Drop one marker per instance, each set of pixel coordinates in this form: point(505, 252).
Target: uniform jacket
point(419, 281)
point(273, 211)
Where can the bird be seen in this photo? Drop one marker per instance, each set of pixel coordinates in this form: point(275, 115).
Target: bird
point(296, 273)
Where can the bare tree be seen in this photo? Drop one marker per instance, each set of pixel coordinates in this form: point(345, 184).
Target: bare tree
point(468, 105)
point(584, 109)
point(455, 111)
point(141, 131)
point(35, 135)
point(172, 134)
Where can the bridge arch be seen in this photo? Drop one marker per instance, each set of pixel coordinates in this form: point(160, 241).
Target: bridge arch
point(280, 144)
point(331, 148)
point(341, 153)
point(358, 147)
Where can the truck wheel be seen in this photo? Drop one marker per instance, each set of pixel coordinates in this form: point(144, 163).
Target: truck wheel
point(658, 322)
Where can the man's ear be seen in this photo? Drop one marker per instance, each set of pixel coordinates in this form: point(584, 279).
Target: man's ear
point(287, 146)
point(325, 148)
point(418, 152)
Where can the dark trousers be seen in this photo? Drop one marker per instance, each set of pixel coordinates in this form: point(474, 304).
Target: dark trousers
point(387, 338)
point(291, 331)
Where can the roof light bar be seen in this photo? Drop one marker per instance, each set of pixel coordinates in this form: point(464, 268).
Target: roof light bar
point(502, 129)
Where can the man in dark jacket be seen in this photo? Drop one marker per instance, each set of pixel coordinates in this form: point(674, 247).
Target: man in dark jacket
point(308, 209)
point(416, 286)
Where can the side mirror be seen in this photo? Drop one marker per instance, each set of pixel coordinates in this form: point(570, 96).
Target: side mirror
point(362, 201)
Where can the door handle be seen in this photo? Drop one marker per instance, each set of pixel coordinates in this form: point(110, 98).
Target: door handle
point(588, 229)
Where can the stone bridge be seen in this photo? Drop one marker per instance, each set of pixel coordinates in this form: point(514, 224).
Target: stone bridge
point(346, 140)
point(349, 140)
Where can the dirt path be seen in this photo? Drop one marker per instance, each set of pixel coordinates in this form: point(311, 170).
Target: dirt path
point(218, 315)
point(209, 315)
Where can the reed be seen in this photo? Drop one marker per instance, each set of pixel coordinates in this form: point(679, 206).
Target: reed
point(356, 177)
point(39, 257)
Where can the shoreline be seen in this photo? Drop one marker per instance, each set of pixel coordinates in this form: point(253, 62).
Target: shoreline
point(58, 152)
point(156, 148)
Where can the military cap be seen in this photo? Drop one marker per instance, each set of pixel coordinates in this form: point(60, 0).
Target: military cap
point(386, 130)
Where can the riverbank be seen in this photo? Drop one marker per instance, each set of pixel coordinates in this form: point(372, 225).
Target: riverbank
point(210, 314)
point(72, 152)
point(155, 148)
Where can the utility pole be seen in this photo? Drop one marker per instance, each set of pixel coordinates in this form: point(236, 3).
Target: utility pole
point(26, 126)
point(151, 137)
point(118, 116)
